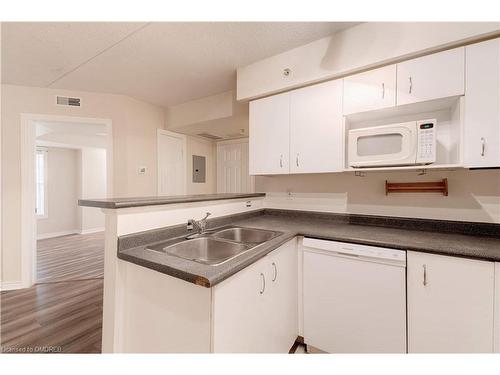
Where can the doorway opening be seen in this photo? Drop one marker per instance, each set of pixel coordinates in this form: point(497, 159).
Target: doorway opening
point(63, 159)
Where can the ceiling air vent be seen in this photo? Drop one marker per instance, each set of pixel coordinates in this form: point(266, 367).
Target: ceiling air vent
point(73, 102)
point(209, 136)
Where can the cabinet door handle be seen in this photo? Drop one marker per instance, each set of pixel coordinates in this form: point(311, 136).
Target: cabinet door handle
point(263, 283)
point(297, 160)
point(383, 90)
point(275, 275)
point(281, 161)
point(425, 275)
point(483, 145)
point(411, 85)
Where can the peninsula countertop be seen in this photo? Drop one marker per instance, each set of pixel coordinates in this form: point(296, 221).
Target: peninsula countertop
point(482, 240)
point(116, 203)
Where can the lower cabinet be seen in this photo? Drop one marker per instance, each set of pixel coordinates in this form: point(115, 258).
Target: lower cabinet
point(256, 310)
point(450, 304)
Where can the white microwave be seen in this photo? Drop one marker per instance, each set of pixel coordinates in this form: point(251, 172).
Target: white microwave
point(407, 143)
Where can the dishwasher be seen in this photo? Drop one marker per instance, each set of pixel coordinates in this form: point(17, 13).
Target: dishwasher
point(354, 298)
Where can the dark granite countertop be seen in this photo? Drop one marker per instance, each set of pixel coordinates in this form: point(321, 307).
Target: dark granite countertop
point(115, 203)
point(484, 244)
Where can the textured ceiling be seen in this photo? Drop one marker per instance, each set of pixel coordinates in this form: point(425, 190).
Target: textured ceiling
point(164, 63)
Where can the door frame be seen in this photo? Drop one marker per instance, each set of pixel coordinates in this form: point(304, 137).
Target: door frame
point(28, 191)
point(183, 138)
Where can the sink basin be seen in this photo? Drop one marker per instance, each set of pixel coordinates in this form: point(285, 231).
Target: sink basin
point(246, 235)
point(215, 247)
point(206, 250)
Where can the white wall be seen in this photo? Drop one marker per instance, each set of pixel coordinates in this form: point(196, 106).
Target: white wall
point(134, 144)
point(92, 185)
point(473, 195)
point(62, 171)
point(201, 147)
point(1, 176)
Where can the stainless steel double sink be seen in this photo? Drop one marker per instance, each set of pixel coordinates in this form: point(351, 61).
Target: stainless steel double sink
point(216, 246)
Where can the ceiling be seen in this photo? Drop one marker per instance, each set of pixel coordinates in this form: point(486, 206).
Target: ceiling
point(164, 63)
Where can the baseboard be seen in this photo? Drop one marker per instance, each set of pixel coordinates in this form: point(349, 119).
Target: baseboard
point(92, 230)
point(11, 285)
point(44, 236)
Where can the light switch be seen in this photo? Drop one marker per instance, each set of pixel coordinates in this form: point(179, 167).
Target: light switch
point(142, 170)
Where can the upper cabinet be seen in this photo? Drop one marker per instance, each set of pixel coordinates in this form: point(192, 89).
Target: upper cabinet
point(304, 130)
point(316, 136)
point(297, 132)
point(435, 76)
point(269, 141)
point(482, 105)
point(367, 91)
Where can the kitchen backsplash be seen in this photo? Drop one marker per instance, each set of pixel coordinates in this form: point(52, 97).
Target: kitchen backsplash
point(473, 195)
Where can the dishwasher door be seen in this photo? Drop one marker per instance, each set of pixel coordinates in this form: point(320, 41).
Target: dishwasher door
point(354, 298)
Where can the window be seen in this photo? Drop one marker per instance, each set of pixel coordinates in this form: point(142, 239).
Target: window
point(41, 183)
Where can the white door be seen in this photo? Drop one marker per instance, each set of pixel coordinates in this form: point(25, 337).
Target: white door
point(232, 168)
point(435, 76)
point(316, 135)
point(367, 91)
point(450, 304)
point(269, 122)
point(482, 105)
point(171, 163)
point(241, 311)
point(255, 310)
point(283, 321)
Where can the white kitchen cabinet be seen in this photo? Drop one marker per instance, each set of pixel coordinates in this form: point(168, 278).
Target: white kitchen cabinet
point(316, 135)
point(368, 91)
point(450, 304)
point(269, 138)
point(255, 311)
point(482, 105)
point(435, 76)
point(283, 293)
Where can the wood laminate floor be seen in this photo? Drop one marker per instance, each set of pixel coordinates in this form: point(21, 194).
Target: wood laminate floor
point(73, 257)
point(63, 311)
point(55, 317)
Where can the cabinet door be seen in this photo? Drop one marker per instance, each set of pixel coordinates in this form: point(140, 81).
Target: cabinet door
point(283, 318)
point(316, 135)
point(240, 311)
point(370, 90)
point(435, 76)
point(450, 304)
point(482, 105)
point(269, 138)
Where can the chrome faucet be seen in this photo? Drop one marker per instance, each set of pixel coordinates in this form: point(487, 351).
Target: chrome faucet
point(198, 225)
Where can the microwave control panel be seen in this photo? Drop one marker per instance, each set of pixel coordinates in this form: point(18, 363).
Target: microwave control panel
point(426, 138)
